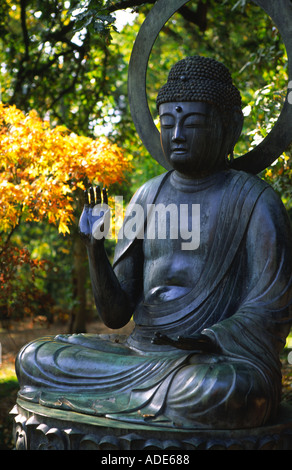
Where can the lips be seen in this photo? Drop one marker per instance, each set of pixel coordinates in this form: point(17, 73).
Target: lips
point(179, 150)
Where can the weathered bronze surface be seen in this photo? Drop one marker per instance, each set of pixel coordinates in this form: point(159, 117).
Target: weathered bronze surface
point(40, 428)
point(211, 297)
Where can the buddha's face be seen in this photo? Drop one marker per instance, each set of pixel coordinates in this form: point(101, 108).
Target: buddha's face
point(192, 137)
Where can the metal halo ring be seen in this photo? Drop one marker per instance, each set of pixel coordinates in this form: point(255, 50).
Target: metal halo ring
point(254, 161)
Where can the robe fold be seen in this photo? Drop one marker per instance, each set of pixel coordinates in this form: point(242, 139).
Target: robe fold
point(242, 302)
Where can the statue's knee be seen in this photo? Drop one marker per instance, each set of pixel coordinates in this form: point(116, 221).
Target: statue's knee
point(228, 395)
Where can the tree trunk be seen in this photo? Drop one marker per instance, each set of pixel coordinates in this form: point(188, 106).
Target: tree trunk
point(80, 273)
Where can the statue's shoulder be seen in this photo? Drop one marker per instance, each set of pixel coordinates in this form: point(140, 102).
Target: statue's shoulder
point(247, 178)
point(249, 186)
point(257, 184)
point(149, 189)
point(249, 191)
point(267, 203)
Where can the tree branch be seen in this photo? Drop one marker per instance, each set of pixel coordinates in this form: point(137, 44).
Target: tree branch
point(122, 5)
point(198, 17)
point(24, 28)
point(5, 243)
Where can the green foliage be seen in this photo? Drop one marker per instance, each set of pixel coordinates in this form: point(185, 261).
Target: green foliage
point(95, 17)
point(49, 65)
point(239, 34)
point(289, 342)
point(6, 386)
point(8, 391)
point(67, 60)
point(53, 282)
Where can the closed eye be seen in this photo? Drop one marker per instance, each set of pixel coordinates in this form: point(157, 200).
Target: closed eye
point(167, 122)
point(167, 126)
point(194, 125)
point(194, 122)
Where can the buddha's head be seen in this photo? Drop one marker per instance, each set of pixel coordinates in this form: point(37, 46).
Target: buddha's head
point(201, 116)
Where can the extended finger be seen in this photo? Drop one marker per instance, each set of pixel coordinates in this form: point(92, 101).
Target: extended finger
point(105, 199)
point(92, 197)
point(97, 195)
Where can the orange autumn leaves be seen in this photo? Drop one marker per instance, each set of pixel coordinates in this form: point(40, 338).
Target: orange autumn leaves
point(42, 167)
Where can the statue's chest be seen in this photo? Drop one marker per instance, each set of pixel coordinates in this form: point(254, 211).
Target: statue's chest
point(178, 239)
point(179, 223)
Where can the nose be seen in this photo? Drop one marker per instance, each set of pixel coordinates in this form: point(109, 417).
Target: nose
point(178, 135)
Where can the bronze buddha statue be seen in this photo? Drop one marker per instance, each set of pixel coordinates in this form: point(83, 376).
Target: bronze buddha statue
point(210, 318)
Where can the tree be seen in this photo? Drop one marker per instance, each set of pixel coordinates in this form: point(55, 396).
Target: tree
point(66, 60)
point(48, 66)
point(42, 174)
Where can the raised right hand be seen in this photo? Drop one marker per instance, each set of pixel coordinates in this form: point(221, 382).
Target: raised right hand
point(94, 222)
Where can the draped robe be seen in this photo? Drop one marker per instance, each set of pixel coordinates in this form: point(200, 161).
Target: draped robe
point(241, 301)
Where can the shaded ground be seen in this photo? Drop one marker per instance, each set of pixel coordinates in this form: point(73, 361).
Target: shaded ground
point(11, 342)
point(20, 334)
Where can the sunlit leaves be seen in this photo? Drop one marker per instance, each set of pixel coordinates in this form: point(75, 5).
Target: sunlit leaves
point(41, 168)
point(262, 112)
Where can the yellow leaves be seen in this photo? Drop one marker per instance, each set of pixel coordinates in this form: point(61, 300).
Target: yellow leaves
point(41, 168)
point(63, 228)
point(80, 185)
